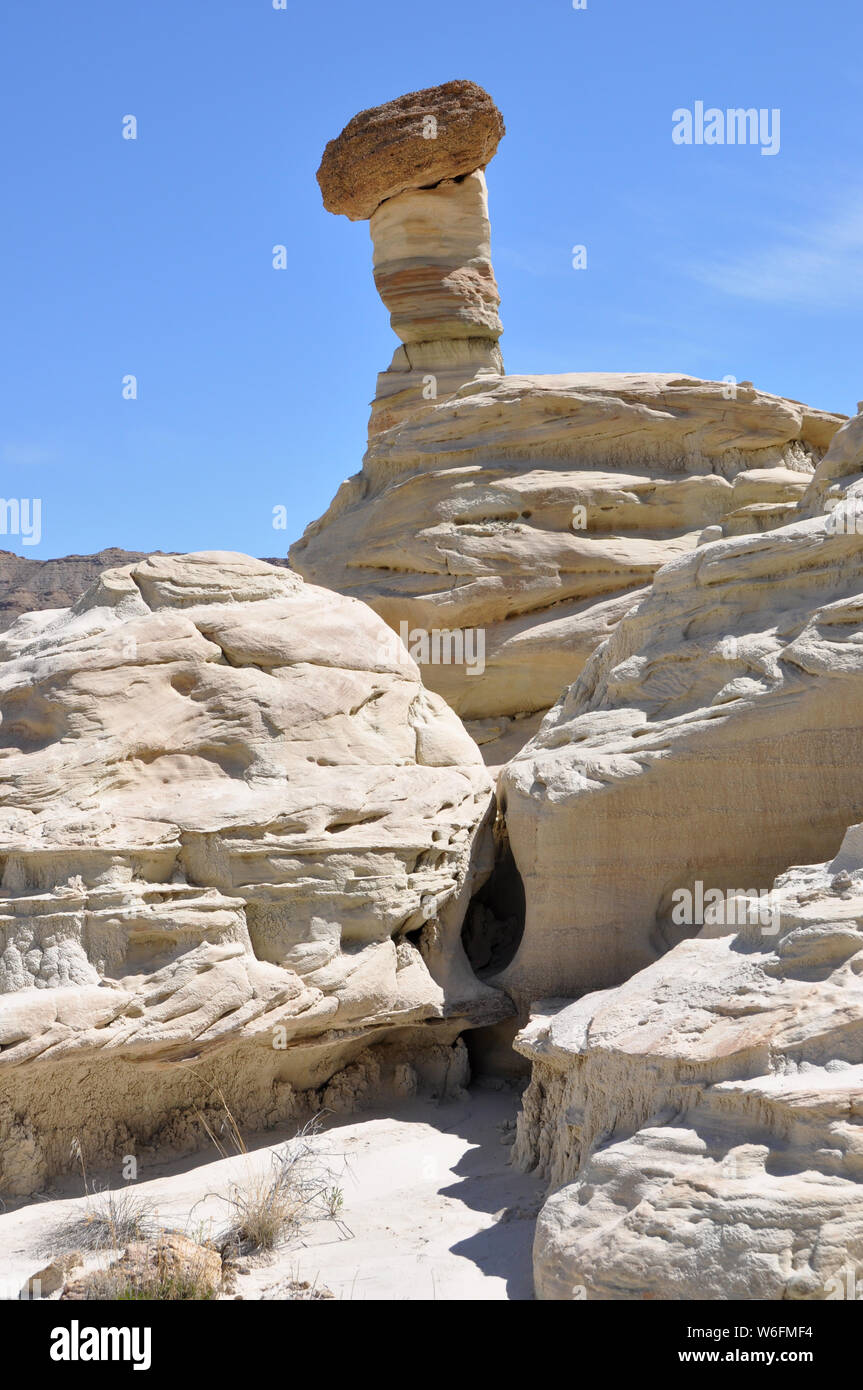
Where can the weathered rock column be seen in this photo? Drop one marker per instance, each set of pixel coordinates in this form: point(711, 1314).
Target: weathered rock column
point(414, 168)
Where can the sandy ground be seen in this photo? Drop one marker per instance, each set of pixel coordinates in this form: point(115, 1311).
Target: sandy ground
point(431, 1208)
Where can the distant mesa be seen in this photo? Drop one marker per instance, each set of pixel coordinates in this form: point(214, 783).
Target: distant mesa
point(27, 584)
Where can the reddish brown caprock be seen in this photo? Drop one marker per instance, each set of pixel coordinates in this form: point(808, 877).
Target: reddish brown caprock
point(415, 141)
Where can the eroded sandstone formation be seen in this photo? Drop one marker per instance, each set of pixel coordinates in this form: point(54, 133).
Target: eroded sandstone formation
point(519, 515)
point(237, 841)
point(533, 512)
point(702, 1125)
point(246, 843)
point(699, 1119)
point(717, 735)
point(414, 168)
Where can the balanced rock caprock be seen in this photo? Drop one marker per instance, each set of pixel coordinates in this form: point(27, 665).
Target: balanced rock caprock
point(414, 168)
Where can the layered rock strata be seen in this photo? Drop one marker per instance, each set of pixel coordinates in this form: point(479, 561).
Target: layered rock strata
point(237, 843)
point(526, 517)
point(702, 1125)
point(715, 737)
point(509, 522)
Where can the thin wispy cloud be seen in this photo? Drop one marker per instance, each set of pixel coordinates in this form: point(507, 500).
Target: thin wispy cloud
point(820, 265)
point(15, 454)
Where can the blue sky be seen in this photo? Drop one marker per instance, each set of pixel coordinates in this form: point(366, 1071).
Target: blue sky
point(153, 257)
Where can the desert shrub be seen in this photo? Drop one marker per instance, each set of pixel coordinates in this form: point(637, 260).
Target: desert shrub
point(108, 1221)
point(267, 1208)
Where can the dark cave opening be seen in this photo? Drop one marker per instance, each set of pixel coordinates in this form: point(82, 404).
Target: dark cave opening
point(494, 924)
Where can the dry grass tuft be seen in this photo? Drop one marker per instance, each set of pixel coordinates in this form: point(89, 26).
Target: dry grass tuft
point(109, 1221)
point(268, 1208)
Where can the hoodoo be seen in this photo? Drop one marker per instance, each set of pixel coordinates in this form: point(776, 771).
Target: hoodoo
point(528, 513)
point(414, 168)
